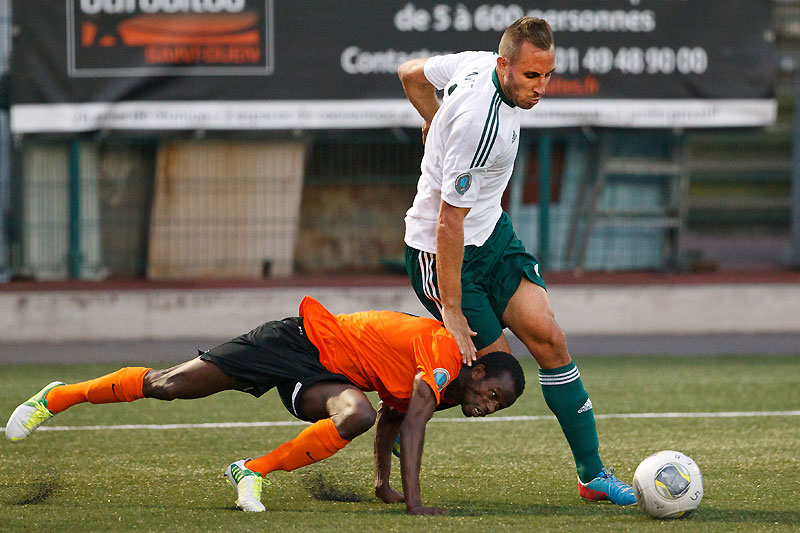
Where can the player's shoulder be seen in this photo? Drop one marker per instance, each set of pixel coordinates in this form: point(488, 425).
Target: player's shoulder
point(403, 326)
point(448, 347)
point(460, 59)
point(473, 71)
point(472, 84)
point(478, 58)
point(465, 111)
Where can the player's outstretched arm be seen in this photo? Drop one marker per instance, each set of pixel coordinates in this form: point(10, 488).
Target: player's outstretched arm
point(412, 437)
point(386, 429)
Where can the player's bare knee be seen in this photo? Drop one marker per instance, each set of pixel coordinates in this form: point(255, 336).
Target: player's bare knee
point(558, 339)
point(549, 345)
point(359, 420)
point(355, 418)
point(556, 345)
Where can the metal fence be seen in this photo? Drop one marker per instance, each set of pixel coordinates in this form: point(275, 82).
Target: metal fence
point(335, 201)
point(117, 208)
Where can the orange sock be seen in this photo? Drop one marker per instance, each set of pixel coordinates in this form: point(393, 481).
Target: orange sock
point(124, 385)
point(315, 443)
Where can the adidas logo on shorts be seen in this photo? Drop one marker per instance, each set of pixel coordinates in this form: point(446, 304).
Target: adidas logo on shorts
point(586, 406)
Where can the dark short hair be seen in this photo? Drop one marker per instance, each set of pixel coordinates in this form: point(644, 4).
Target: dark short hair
point(533, 30)
point(496, 363)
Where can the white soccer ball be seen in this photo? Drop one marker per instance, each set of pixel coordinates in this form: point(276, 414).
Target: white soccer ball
point(668, 484)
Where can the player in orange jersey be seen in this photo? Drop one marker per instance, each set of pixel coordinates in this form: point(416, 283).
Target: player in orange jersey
point(321, 365)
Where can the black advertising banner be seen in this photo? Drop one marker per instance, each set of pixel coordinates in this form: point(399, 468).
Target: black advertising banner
point(204, 38)
point(81, 65)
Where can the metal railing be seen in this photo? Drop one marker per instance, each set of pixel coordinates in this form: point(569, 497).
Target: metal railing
point(335, 202)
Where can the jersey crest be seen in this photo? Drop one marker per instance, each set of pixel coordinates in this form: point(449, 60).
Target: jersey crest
point(442, 377)
point(463, 183)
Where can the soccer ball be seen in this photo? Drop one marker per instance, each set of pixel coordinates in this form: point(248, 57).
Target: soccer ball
point(668, 484)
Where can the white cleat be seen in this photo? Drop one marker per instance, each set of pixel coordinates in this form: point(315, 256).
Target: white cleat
point(247, 485)
point(30, 415)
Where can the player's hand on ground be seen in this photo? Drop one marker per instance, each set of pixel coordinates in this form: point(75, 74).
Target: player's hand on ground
point(389, 495)
point(456, 324)
point(425, 510)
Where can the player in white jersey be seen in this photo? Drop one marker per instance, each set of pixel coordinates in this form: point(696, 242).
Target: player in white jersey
point(469, 151)
point(466, 264)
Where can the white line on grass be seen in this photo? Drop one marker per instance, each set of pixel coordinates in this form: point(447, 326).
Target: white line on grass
point(218, 425)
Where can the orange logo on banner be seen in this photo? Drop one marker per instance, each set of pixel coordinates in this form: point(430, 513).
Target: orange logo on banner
point(88, 33)
point(587, 86)
point(194, 38)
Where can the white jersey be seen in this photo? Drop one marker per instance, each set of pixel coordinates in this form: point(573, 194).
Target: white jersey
point(469, 152)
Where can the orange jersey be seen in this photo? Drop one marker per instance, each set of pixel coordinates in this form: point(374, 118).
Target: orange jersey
point(383, 350)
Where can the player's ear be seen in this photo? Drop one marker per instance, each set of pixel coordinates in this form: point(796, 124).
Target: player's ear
point(478, 372)
point(502, 64)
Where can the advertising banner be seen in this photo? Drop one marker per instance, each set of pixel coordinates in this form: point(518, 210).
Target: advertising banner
point(81, 65)
point(142, 39)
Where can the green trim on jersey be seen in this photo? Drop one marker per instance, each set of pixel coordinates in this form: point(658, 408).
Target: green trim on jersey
point(503, 97)
point(491, 126)
point(489, 135)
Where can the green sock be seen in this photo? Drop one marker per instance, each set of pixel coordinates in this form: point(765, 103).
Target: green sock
point(564, 394)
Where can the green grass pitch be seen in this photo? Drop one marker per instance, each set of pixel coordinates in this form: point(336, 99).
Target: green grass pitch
point(502, 475)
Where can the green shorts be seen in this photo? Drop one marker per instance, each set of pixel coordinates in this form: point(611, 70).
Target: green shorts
point(490, 275)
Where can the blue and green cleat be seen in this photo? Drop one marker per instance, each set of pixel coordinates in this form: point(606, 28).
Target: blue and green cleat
point(607, 487)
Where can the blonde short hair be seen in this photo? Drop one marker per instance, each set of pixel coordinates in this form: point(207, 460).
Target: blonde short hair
point(533, 30)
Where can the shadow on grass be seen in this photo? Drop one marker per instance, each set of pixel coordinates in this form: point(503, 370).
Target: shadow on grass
point(323, 489)
point(37, 489)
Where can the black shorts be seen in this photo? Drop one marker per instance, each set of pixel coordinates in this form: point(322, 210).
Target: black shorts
point(275, 354)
